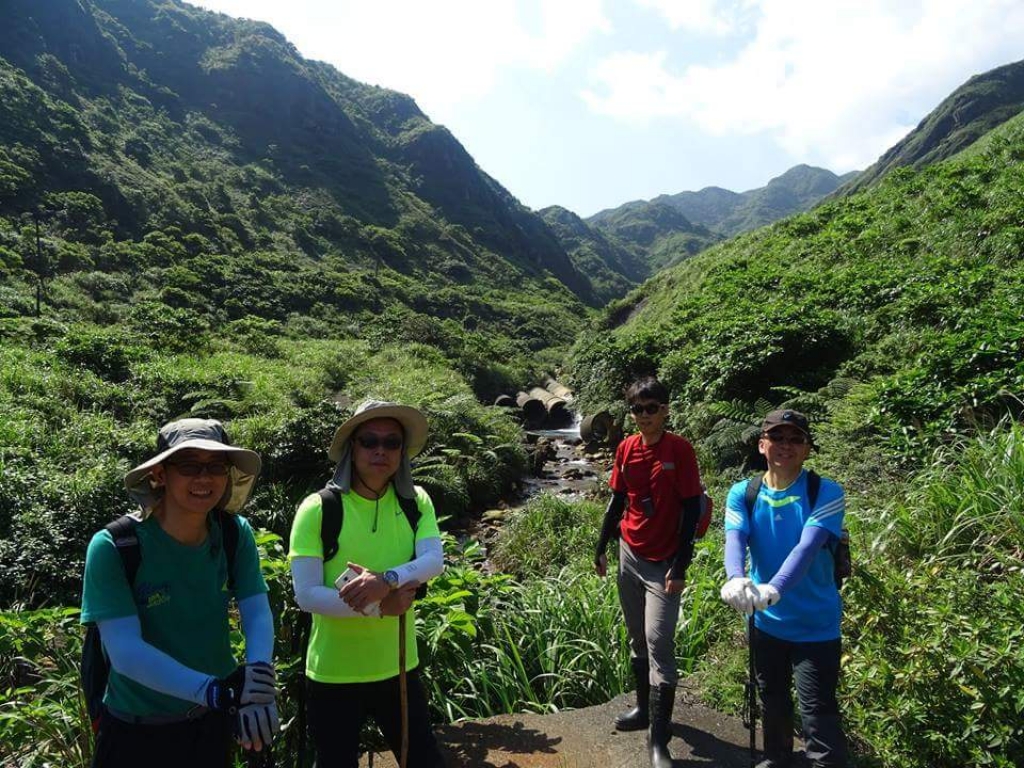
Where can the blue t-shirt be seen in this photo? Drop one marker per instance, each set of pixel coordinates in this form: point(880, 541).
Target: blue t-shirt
point(811, 609)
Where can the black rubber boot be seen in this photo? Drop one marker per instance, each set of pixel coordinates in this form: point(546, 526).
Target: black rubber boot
point(663, 698)
point(638, 717)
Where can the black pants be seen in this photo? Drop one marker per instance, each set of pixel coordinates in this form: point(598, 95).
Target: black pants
point(337, 712)
point(203, 743)
point(816, 668)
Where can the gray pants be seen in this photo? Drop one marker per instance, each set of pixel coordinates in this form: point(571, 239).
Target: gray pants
point(650, 612)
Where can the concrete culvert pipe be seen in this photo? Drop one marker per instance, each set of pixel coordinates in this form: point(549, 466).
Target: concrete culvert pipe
point(598, 428)
point(558, 389)
point(533, 409)
point(505, 401)
point(556, 408)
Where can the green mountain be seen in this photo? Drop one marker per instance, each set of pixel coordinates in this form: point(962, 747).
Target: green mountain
point(979, 105)
point(671, 228)
point(655, 234)
point(612, 268)
point(151, 137)
point(728, 213)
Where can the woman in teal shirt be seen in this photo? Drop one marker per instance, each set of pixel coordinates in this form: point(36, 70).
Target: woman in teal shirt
point(175, 695)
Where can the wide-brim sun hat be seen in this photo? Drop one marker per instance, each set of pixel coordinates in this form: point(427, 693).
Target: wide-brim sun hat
point(203, 435)
point(414, 426)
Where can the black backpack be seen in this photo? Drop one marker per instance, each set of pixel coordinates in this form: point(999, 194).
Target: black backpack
point(95, 666)
point(839, 547)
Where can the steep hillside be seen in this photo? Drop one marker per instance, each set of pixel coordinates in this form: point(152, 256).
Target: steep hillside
point(973, 109)
point(150, 136)
point(611, 268)
point(895, 311)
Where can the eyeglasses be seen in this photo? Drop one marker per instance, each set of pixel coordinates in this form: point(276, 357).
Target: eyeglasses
point(784, 440)
point(372, 442)
point(196, 468)
point(650, 409)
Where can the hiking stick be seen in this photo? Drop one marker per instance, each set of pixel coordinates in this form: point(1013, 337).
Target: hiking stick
point(403, 693)
point(751, 692)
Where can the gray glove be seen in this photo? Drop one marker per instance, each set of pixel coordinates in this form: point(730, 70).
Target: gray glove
point(257, 725)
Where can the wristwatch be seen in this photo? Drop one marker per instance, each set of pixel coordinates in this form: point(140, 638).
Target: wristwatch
point(391, 579)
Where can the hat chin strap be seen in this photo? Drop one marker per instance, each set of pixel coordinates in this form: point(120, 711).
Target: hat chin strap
point(360, 481)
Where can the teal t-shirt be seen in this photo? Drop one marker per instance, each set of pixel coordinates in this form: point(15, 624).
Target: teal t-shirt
point(181, 597)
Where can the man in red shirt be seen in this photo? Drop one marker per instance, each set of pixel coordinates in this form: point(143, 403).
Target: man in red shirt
point(655, 506)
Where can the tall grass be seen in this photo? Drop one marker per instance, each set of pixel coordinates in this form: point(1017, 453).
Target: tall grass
point(934, 618)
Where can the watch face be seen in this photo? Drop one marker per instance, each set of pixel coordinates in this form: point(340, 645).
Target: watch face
point(391, 579)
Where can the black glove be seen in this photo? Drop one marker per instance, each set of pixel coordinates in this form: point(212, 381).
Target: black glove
point(248, 684)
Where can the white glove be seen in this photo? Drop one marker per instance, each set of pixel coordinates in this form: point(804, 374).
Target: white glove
point(257, 725)
point(766, 596)
point(739, 592)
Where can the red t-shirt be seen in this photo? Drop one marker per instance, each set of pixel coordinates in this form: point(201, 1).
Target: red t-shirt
point(667, 473)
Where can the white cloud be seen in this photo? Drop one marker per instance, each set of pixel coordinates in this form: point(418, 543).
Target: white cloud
point(710, 17)
point(441, 53)
point(839, 80)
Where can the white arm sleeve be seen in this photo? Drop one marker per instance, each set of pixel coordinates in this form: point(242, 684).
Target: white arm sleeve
point(258, 628)
point(429, 562)
point(311, 594)
point(136, 659)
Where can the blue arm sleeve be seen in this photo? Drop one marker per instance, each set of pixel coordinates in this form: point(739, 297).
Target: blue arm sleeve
point(258, 628)
point(735, 552)
point(134, 658)
point(799, 560)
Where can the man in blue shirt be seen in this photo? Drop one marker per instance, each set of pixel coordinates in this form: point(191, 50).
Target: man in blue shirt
point(792, 587)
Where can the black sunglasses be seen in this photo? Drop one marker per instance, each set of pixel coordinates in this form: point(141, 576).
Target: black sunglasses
point(783, 439)
point(650, 409)
point(196, 468)
point(371, 442)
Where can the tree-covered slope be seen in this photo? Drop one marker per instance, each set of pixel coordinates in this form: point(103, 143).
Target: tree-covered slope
point(152, 138)
point(896, 311)
point(611, 268)
point(979, 105)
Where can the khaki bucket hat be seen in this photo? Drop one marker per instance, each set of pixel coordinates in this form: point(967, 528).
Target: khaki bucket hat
point(414, 425)
point(204, 435)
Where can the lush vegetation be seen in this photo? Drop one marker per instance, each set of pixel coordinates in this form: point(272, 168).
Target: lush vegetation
point(893, 317)
point(911, 289)
point(196, 221)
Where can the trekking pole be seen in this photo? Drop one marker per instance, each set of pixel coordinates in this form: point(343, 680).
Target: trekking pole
point(751, 693)
point(403, 693)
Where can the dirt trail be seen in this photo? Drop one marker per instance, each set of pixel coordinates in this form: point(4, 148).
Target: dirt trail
point(585, 738)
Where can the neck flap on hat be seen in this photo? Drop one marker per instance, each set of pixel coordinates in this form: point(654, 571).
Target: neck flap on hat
point(341, 482)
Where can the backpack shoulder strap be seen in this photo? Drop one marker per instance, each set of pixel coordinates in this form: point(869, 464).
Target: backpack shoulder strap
point(229, 539)
point(411, 508)
point(331, 516)
point(126, 540)
point(813, 487)
point(750, 495)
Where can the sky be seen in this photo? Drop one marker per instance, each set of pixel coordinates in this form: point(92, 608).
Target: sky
point(589, 104)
